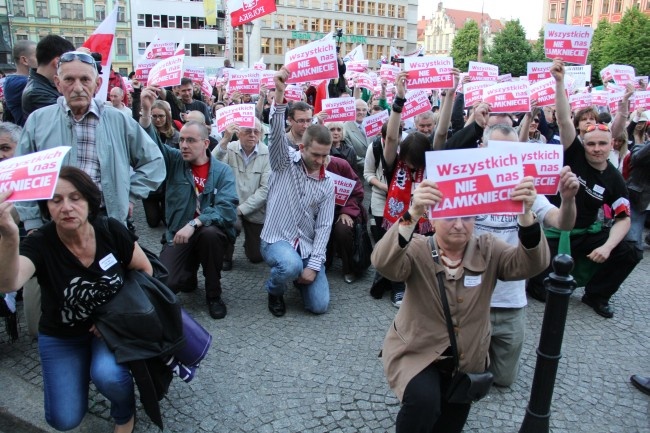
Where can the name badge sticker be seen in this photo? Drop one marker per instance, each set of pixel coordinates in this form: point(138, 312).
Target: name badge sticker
point(107, 262)
point(472, 280)
point(599, 189)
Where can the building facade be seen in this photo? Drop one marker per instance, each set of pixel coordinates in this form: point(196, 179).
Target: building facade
point(589, 12)
point(444, 24)
point(74, 20)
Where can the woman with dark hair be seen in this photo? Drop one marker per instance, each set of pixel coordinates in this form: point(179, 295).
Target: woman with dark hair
point(80, 261)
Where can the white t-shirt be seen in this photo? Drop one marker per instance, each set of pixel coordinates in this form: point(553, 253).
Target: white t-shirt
point(509, 294)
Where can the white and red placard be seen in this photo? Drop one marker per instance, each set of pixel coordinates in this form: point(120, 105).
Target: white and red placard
point(260, 65)
point(580, 101)
point(622, 74)
point(357, 66)
point(167, 72)
point(245, 11)
point(641, 82)
point(241, 114)
point(244, 81)
point(476, 181)
point(343, 188)
point(581, 74)
point(614, 88)
point(613, 98)
point(266, 79)
point(541, 161)
point(642, 99)
point(389, 72)
point(504, 78)
point(544, 91)
point(429, 72)
point(599, 98)
point(159, 49)
point(206, 88)
point(32, 176)
point(478, 71)
point(569, 43)
point(293, 92)
point(195, 73)
point(537, 71)
point(372, 124)
point(128, 86)
point(417, 101)
point(143, 68)
point(339, 109)
point(313, 61)
point(511, 97)
point(474, 91)
point(365, 81)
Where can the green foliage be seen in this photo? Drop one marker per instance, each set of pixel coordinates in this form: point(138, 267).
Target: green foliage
point(596, 51)
point(465, 45)
point(538, 54)
point(629, 42)
point(510, 50)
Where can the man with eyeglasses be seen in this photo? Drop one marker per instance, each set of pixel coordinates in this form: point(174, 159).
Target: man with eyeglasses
point(602, 189)
point(41, 90)
point(120, 156)
point(200, 210)
point(300, 116)
point(299, 213)
point(356, 135)
point(249, 159)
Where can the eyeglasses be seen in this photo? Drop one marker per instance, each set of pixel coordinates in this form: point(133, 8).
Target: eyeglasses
point(249, 131)
point(158, 116)
point(189, 140)
point(71, 56)
point(463, 219)
point(598, 126)
point(302, 121)
point(535, 120)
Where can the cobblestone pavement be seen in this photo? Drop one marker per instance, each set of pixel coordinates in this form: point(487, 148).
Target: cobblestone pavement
point(306, 373)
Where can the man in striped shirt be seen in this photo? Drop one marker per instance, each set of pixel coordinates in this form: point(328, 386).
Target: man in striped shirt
point(299, 213)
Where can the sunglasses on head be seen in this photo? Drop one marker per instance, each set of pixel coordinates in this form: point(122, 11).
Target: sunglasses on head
point(71, 56)
point(598, 126)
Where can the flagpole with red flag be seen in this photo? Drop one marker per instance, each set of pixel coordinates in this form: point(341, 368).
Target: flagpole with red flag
point(101, 41)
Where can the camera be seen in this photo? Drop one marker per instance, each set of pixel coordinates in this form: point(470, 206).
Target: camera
point(396, 60)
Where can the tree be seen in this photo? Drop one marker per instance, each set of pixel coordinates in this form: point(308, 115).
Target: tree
point(597, 57)
point(629, 42)
point(465, 45)
point(510, 50)
point(538, 54)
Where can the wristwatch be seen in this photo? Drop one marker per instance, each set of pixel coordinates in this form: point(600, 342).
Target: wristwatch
point(192, 223)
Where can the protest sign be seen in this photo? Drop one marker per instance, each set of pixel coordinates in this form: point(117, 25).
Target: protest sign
point(640, 82)
point(581, 74)
point(372, 124)
point(241, 114)
point(293, 92)
point(32, 176)
point(195, 73)
point(474, 91)
point(313, 61)
point(569, 43)
point(266, 79)
point(541, 161)
point(389, 72)
point(544, 90)
point(167, 72)
point(504, 78)
point(417, 102)
point(357, 65)
point(159, 49)
point(538, 71)
point(206, 88)
point(599, 98)
point(244, 81)
point(510, 97)
point(483, 71)
point(429, 72)
point(621, 74)
point(613, 98)
point(260, 65)
point(579, 101)
point(642, 99)
point(143, 68)
point(476, 181)
point(343, 187)
point(355, 55)
point(365, 81)
point(245, 11)
point(339, 109)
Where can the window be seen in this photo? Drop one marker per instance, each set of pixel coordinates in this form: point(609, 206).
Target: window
point(266, 22)
point(291, 2)
point(124, 72)
point(618, 6)
point(41, 9)
point(156, 20)
point(401, 11)
point(265, 44)
point(186, 23)
point(277, 46)
point(19, 8)
point(291, 44)
point(121, 14)
point(171, 22)
point(371, 29)
point(589, 4)
point(371, 8)
point(78, 41)
point(328, 5)
point(400, 32)
point(121, 47)
point(327, 25)
point(291, 23)
point(100, 12)
point(361, 6)
point(577, 9)
point(279, 22)
point(349, 28)
point(562, 10)
point(305, 24)
point(338, 24)
point(141, 47)
point(605, 8)
point(361, 28)
point(381, 31)
point(315, 25)
point(381, 10)
point(72, 11)
point(21, 37)
point(140, 20)
point(391, 10)
point(349, 6)
point(552, 13)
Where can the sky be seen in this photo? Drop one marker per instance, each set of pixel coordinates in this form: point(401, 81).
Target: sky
point(529, 12)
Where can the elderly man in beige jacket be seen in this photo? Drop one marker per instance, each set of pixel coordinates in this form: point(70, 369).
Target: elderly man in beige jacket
point(249, 159)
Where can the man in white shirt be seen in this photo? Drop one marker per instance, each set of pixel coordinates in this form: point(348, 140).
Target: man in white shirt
point(116, 96)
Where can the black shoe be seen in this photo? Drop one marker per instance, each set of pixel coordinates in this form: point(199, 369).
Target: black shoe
point(601, 308)
point(642, 383)
point(276, 305)
point(535, 293)
point(396, 298)
point(227, 265)
point(217, 308)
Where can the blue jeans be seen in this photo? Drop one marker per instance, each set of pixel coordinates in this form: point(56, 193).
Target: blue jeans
point(286, 266)
point(68, 365)
point(637, 221)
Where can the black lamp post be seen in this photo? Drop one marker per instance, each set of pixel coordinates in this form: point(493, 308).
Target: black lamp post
point(248, 28)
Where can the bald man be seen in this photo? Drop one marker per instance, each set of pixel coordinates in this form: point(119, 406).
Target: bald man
point(198, 116)
point(115, 97)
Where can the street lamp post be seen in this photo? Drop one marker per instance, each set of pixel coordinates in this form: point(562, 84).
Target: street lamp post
point(248, 28)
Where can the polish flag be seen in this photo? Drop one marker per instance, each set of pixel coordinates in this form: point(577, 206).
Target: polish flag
point(321, 93)
point(101, 41)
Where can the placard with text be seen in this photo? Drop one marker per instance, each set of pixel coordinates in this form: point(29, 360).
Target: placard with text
point(167, 72)
point(569, 43)
point(510, 97)
point(478, 71)
point(339, 109)
point(417, 102)
point(372, 124)
point(343, 187)
point(241, 114)
point(429, 72)
point(313, 61)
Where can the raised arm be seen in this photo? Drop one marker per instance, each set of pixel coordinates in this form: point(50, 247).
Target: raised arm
point(618, 125)
point(445, 114)
point(15, 269)
point(562, 107)
point(392, 131)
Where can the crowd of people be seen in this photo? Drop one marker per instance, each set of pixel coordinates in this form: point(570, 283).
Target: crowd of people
point(273, 181)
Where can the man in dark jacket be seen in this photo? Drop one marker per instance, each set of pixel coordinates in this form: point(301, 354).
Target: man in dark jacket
point(24, 54)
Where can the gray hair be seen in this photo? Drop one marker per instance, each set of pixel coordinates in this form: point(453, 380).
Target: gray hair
point(426, 115)
point(500, 127)
point(22, 48)
point(12, 130)
point(331, 125)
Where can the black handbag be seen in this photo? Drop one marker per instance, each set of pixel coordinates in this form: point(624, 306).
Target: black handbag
point(362, 247)
point(464, 388)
